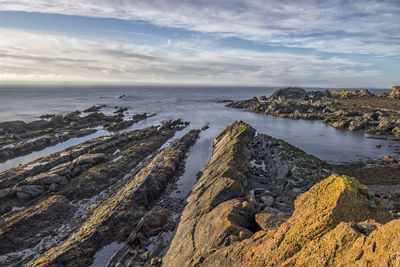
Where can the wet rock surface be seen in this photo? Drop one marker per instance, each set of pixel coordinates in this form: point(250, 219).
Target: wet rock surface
point(73, 200)
point(354, 110)
point(18, 138)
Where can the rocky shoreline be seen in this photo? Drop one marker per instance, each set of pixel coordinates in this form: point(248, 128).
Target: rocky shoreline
point(18, 138)
point(354, 110)
point(109, 201)
point(83, 191)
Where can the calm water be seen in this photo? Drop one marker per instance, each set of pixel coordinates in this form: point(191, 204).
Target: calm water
point(197, 105)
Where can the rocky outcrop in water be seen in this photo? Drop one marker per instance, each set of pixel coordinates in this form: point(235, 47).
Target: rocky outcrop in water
point(94, 108)
point(18, 138)
point(77, 200)
point(289, 93)
point(354, 110)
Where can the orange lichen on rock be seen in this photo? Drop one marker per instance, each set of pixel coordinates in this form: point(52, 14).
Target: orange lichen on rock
point(338, 222)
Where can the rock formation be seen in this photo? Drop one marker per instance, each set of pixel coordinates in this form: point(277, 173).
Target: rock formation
point(338, 222)
point(395, 92)
point(63, 208)
point(289, 93)
point(354, 110)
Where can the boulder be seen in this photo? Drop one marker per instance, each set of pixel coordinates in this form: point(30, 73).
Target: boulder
point(46, 179)
point(365, 92)
point(385, 126)
point(28, 192)
point(151, 224)
point(289, 93)
point(13, 126)
point(271, 218)
point(396, 131)
point(90, 159)
point(395, 91)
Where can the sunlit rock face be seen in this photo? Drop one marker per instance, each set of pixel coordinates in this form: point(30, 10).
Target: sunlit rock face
point(336, 222)
point(395, 91)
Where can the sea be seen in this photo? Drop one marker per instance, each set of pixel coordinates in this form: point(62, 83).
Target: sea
point(197, 104)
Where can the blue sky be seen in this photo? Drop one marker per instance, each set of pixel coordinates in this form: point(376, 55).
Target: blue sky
point(268, 43)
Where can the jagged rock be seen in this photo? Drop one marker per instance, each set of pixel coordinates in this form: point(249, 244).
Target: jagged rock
point(28, 226)
point(94, 108)
point(116, 217)
point(140, 116)
point(382, 95)
point(365, 92)
point(28, 192)
point(6, 193)
point(121, 110)
point(395, 92)
point(396, 131)
point(212, 217)
point(289, 93)
point(46, 179)
point(225, 101)
point(13, 126)
point(351, 93)
point(366, 227)
point(47, 116)
point(271, 218)
point(152, 223)
point(267, 200)
point(385, 126)
point(90, 159)
point(322, 232)
point(340, 109)
point(205, 127)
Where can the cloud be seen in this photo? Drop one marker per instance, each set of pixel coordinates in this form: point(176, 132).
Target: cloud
point(360, 26)
point(52, 57)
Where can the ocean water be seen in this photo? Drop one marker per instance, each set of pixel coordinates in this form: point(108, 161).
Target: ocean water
point(197, 105)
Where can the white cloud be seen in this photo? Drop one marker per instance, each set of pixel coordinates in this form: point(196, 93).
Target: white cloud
point(50, 57)
point(363, 26)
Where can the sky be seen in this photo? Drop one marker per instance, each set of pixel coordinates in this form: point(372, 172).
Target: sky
point(310, 43)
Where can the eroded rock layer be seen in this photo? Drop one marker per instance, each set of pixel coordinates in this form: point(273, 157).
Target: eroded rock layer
point(241, 212)
point(61, 209)
point(18, 138)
